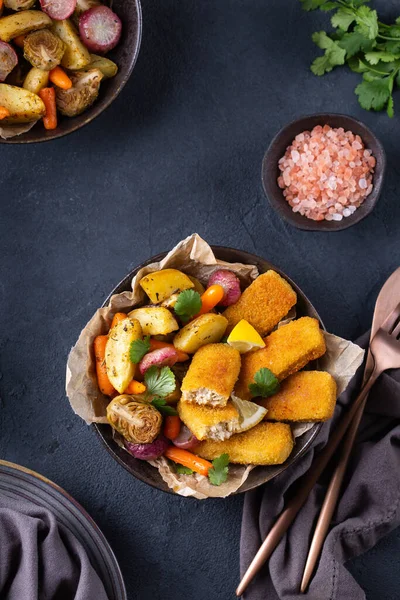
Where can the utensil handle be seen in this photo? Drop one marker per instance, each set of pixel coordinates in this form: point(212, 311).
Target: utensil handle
point(304, 487)
point(331, 499)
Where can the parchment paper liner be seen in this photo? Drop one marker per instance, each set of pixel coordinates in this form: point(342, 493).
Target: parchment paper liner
point(10, 131)
point(195, 257)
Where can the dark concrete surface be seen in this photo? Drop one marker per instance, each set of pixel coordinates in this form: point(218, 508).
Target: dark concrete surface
point(179, 151)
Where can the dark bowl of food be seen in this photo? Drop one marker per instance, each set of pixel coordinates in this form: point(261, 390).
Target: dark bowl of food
point(144, 470)
point(63, 64)
point(324, 172)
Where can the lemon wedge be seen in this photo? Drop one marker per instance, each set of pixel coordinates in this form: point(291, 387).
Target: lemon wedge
point(250, 414)
point(244, 337)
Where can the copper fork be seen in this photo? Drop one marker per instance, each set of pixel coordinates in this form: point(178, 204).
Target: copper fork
point(385, 345)
point(385, 350)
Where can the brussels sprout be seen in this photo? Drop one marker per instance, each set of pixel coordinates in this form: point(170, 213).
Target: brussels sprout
point(19, 4)
point(137, 421)
point(43, 49)
point(84, 91)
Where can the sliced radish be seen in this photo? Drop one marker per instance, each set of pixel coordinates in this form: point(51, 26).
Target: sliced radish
point(163, 357)
point(8, 60)
point(186, 439)
point(100, 29)
point(230, 283)
point(58, 9)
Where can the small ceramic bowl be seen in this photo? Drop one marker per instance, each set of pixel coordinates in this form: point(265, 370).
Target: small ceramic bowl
point(143, 470)
point(277, 149)
point(124, 55)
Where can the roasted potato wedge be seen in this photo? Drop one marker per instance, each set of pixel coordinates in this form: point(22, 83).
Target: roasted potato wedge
point(206, 329)
point(36, 80)
point(21, 23)
point(155, 320)
point(76, 55)
point(105, 65)
point(24, 106)
point(120, 369)
point(198, 287)
point(160, 285)
point(19, 4)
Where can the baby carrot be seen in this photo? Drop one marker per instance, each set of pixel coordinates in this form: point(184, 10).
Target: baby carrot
point(211, 297)
point(135, 387)
point(117, 318)
point(4, 112)
point(19, 40)
point(48, 95)
point(187, 459)
point(100, 353)
point(156, 345)
point(172, 427)
point(59, 77)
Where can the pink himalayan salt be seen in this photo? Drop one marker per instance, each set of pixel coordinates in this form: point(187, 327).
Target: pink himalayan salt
point(326, 173)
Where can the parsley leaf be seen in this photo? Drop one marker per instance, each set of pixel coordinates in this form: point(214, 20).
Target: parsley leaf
point(354, 41)
point(187, 305)
point(138, 349)
point(367, 45)
point(390, 107)
point(373, 94)
point(367, 20)
point(329, 6)
point(334, 54)
point(266, 384)
point(313, 4)
point(161, 405)
point(374, 57)
point(219, 472)
point(183, 470)
point(343, 18)
point(159, 382)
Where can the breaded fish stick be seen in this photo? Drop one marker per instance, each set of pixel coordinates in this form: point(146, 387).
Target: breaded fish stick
point(287, 350)
point(264, 444)
point(212, 375)
point(209, 422)
point(263, 304)
point(304, 396)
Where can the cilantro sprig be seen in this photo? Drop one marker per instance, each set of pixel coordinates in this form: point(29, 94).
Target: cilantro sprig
point(219, 472)
point(367, 45)
point(159, 382)
point(181, 470)
point(161, 405)
point(138, 349)
point(265, 383)
point(187, 305)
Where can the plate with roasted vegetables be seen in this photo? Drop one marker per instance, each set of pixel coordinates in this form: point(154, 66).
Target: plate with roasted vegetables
point(207, 371)
point(62, 63)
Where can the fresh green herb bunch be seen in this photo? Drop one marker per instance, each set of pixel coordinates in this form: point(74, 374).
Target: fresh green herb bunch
point(368, 47)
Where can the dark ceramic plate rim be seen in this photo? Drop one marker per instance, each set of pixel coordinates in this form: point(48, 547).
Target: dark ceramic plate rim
point(54, 492)
point(326, 226)
point(97, 110)
point(247, 258)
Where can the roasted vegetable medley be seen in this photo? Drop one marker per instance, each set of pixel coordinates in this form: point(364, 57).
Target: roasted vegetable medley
point(206, 374)
point(52, 58)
